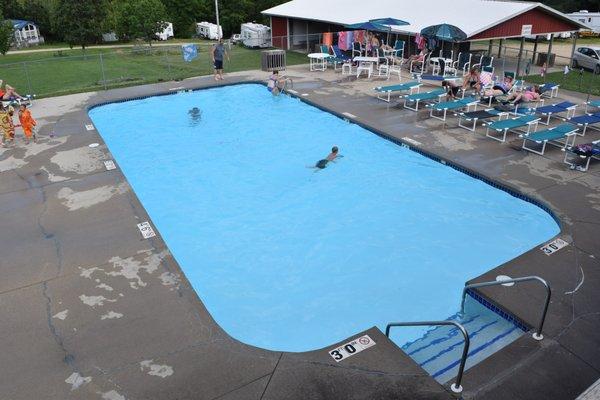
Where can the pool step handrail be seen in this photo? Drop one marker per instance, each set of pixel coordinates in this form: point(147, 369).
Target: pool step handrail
point(456, 387)
point(537, 335)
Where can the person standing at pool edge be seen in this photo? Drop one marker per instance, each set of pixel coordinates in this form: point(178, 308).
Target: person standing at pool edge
point(218, 52)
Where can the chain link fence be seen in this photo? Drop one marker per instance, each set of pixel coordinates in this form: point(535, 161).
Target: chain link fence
point(56, 73)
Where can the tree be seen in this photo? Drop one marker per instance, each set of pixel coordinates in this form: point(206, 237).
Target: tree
point(184, 14)
point(6, 35)
point(141, 19)
point(38, 12)
point(80, 21)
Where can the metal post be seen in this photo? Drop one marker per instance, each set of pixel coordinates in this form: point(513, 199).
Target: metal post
point(217, 13)
point(456, 387)
point(500, 48)
point(535, 45)
point(575, 34)
point(537, 335)
point(520, 54)
point(307, 44)
point(103, 74)
point(169, 63)
point(27, 76)
point(549, 50)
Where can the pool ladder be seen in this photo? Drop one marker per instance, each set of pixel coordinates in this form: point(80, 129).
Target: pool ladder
point(537, 335)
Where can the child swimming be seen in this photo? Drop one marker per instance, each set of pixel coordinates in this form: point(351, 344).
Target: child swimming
point(321, 164)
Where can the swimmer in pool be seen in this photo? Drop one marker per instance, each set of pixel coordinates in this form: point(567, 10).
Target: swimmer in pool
point(331, 157)
point(195, 115)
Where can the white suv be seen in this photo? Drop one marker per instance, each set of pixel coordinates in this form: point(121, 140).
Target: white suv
point(587, 57)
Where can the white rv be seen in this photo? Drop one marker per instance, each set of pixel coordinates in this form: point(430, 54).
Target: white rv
point(167, 33)
point(209, 30)
point(255, 35)
point(591, 19)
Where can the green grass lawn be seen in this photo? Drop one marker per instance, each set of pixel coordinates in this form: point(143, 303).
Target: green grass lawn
point(48, 74)
point(587, 83)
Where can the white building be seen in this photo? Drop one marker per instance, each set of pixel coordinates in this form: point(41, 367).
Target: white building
point(209, 30)
point(26, 33)
point(255, 35)
point(167, 33)
point(591, 19)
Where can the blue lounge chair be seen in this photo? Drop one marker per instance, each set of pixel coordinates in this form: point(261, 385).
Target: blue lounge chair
point(482, 115)
point(586, 121)
point(443, 107)
point(585, 151)
point(549, 89)
point(548, 111)
point(507, 125)
point(592, 103)
point(411, 87)
point(339, 57)
point(559, 135)
point(416, 98)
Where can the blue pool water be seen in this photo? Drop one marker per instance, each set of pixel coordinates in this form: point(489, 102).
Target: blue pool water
point(286, 258)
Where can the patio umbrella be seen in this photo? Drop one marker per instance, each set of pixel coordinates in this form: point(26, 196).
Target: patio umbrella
point(389, 21)
point(368, 26)
point(445, 32)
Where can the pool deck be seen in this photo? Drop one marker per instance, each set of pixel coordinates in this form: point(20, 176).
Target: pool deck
point(91, 310)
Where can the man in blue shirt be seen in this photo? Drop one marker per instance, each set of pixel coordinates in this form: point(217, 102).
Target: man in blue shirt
point(218, 52)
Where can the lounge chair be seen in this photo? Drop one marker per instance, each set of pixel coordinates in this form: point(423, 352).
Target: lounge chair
point(592, 103)
point(462, 63)
point(585, 151)
point(549, 89)
point(559, 135)
point(586, 121)
point(507, 125)
point(559, 108)
point(416, 98)
point(444, 107)
point(482, 115)
point(411, 87)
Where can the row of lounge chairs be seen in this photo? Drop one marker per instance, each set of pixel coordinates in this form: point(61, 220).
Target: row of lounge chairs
point(503, 120)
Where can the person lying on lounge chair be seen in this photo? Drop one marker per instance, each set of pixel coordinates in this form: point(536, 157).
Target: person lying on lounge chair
point(8, 93)
point(529, 95)
point(500, 88)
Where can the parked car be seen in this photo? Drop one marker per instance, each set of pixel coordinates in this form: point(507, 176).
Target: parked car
point(588, 58)
point(236, 38)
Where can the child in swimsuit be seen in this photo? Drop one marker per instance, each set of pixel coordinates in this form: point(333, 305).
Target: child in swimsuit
point(332, 156)
point(275, 84)
point(27, 123)
point(6, 125)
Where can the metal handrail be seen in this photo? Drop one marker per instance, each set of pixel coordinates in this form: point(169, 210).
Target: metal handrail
point(537, 335)
point(456, 387)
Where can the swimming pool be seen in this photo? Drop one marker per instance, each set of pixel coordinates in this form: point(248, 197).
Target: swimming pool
point(288, 258)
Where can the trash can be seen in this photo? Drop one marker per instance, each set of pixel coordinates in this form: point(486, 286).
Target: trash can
point(273, 60)
point(543, 58)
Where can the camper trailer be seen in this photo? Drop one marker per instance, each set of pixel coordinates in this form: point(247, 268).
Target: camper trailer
point(591, 19)
point(255, 35)
point(209, 30)
point(167, 33)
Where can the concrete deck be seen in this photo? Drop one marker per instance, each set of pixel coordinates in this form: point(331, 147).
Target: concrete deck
point(91, 310)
